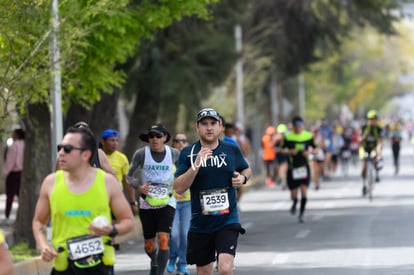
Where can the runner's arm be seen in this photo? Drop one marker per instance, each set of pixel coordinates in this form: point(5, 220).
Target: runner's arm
point(184, 181)
point(105, 165)
point(119, 207)
point(40, 219)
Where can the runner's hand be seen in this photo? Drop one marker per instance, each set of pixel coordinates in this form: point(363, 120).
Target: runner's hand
point(47, 253)
point(237, 180)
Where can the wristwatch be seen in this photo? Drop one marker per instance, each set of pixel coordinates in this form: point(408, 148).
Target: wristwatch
point(114, 232)
point(132, 203)
point(245, 179)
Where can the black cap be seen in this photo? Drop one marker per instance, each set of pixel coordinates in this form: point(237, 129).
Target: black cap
point(156, 128)
point(208, 112)
point(297, 121)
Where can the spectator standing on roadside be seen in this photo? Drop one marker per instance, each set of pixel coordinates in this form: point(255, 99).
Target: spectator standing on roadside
point(212, 169)
point(157, 205)
point(12, 170)
point(181, 223)
point(83, 220)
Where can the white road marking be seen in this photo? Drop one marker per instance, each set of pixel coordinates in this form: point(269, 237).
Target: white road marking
point(329, 205)
point(280, 258)
point(317, 217)
point(302, 234)
point(279, 205)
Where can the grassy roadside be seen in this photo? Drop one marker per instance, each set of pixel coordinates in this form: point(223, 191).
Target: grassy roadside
point(21, 252)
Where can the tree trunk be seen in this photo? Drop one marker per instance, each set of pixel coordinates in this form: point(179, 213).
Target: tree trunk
point(104, 113)
point(37, 165)
point(75, 114)
point(101, 116)
point(147, 103)
point(144, 114)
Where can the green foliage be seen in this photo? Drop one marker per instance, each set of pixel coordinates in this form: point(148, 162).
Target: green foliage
point(21, 252)
point(297, 33)
point(94, 37)
point(184, 61)
point(364, 75)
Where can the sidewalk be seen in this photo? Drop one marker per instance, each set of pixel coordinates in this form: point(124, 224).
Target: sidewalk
point(37, 266)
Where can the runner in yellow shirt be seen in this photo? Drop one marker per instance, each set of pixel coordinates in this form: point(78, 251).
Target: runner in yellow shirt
point(119, 162)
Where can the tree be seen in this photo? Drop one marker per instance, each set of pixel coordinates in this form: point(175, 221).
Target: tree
point(363, 76)
point(178, 68)
point(285, 38)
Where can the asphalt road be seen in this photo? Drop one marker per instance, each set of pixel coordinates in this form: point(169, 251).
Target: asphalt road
point(343, 232)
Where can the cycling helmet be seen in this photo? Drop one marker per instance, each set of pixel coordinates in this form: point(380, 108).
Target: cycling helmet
point(281, 128)
point(372, 114)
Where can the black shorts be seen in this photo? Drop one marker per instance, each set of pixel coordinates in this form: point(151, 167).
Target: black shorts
point(156, 220)
point(293, 184)
point(281, 158)
point(202, 247)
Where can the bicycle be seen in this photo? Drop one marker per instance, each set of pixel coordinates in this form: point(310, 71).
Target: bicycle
point(373, 165)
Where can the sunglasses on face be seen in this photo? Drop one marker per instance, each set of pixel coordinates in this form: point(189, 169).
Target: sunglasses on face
point(81, 125)
point(207, 112)
point(177, 140)
point(67, 148)
point(155, 135)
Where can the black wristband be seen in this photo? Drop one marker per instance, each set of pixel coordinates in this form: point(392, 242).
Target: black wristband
point(245, 179)
point(132, 203)
point(114, 232)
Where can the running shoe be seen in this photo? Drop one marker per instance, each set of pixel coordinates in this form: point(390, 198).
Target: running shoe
point(182, 270)
point(364, 191)
point(293, 210)
point(301, 220)
point(270, 183)
point(171, 266)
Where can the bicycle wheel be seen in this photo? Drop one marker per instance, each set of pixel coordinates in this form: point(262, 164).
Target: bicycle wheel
point(370, 171)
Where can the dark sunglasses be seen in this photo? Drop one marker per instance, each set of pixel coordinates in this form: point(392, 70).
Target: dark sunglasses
point(180, 140)
point(155, 135)
point(67, 148)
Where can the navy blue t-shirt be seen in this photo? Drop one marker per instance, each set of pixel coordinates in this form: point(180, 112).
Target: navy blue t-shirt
point(211, 184)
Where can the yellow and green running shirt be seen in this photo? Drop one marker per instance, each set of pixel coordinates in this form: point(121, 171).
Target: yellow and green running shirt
point(374, 134)
point(119, 162)
point(301, 142)
point(71, 215)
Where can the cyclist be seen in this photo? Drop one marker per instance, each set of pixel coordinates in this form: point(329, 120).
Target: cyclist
point(371, 141)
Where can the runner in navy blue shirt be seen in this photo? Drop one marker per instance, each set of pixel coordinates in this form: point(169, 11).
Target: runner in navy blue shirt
point(213, 170)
